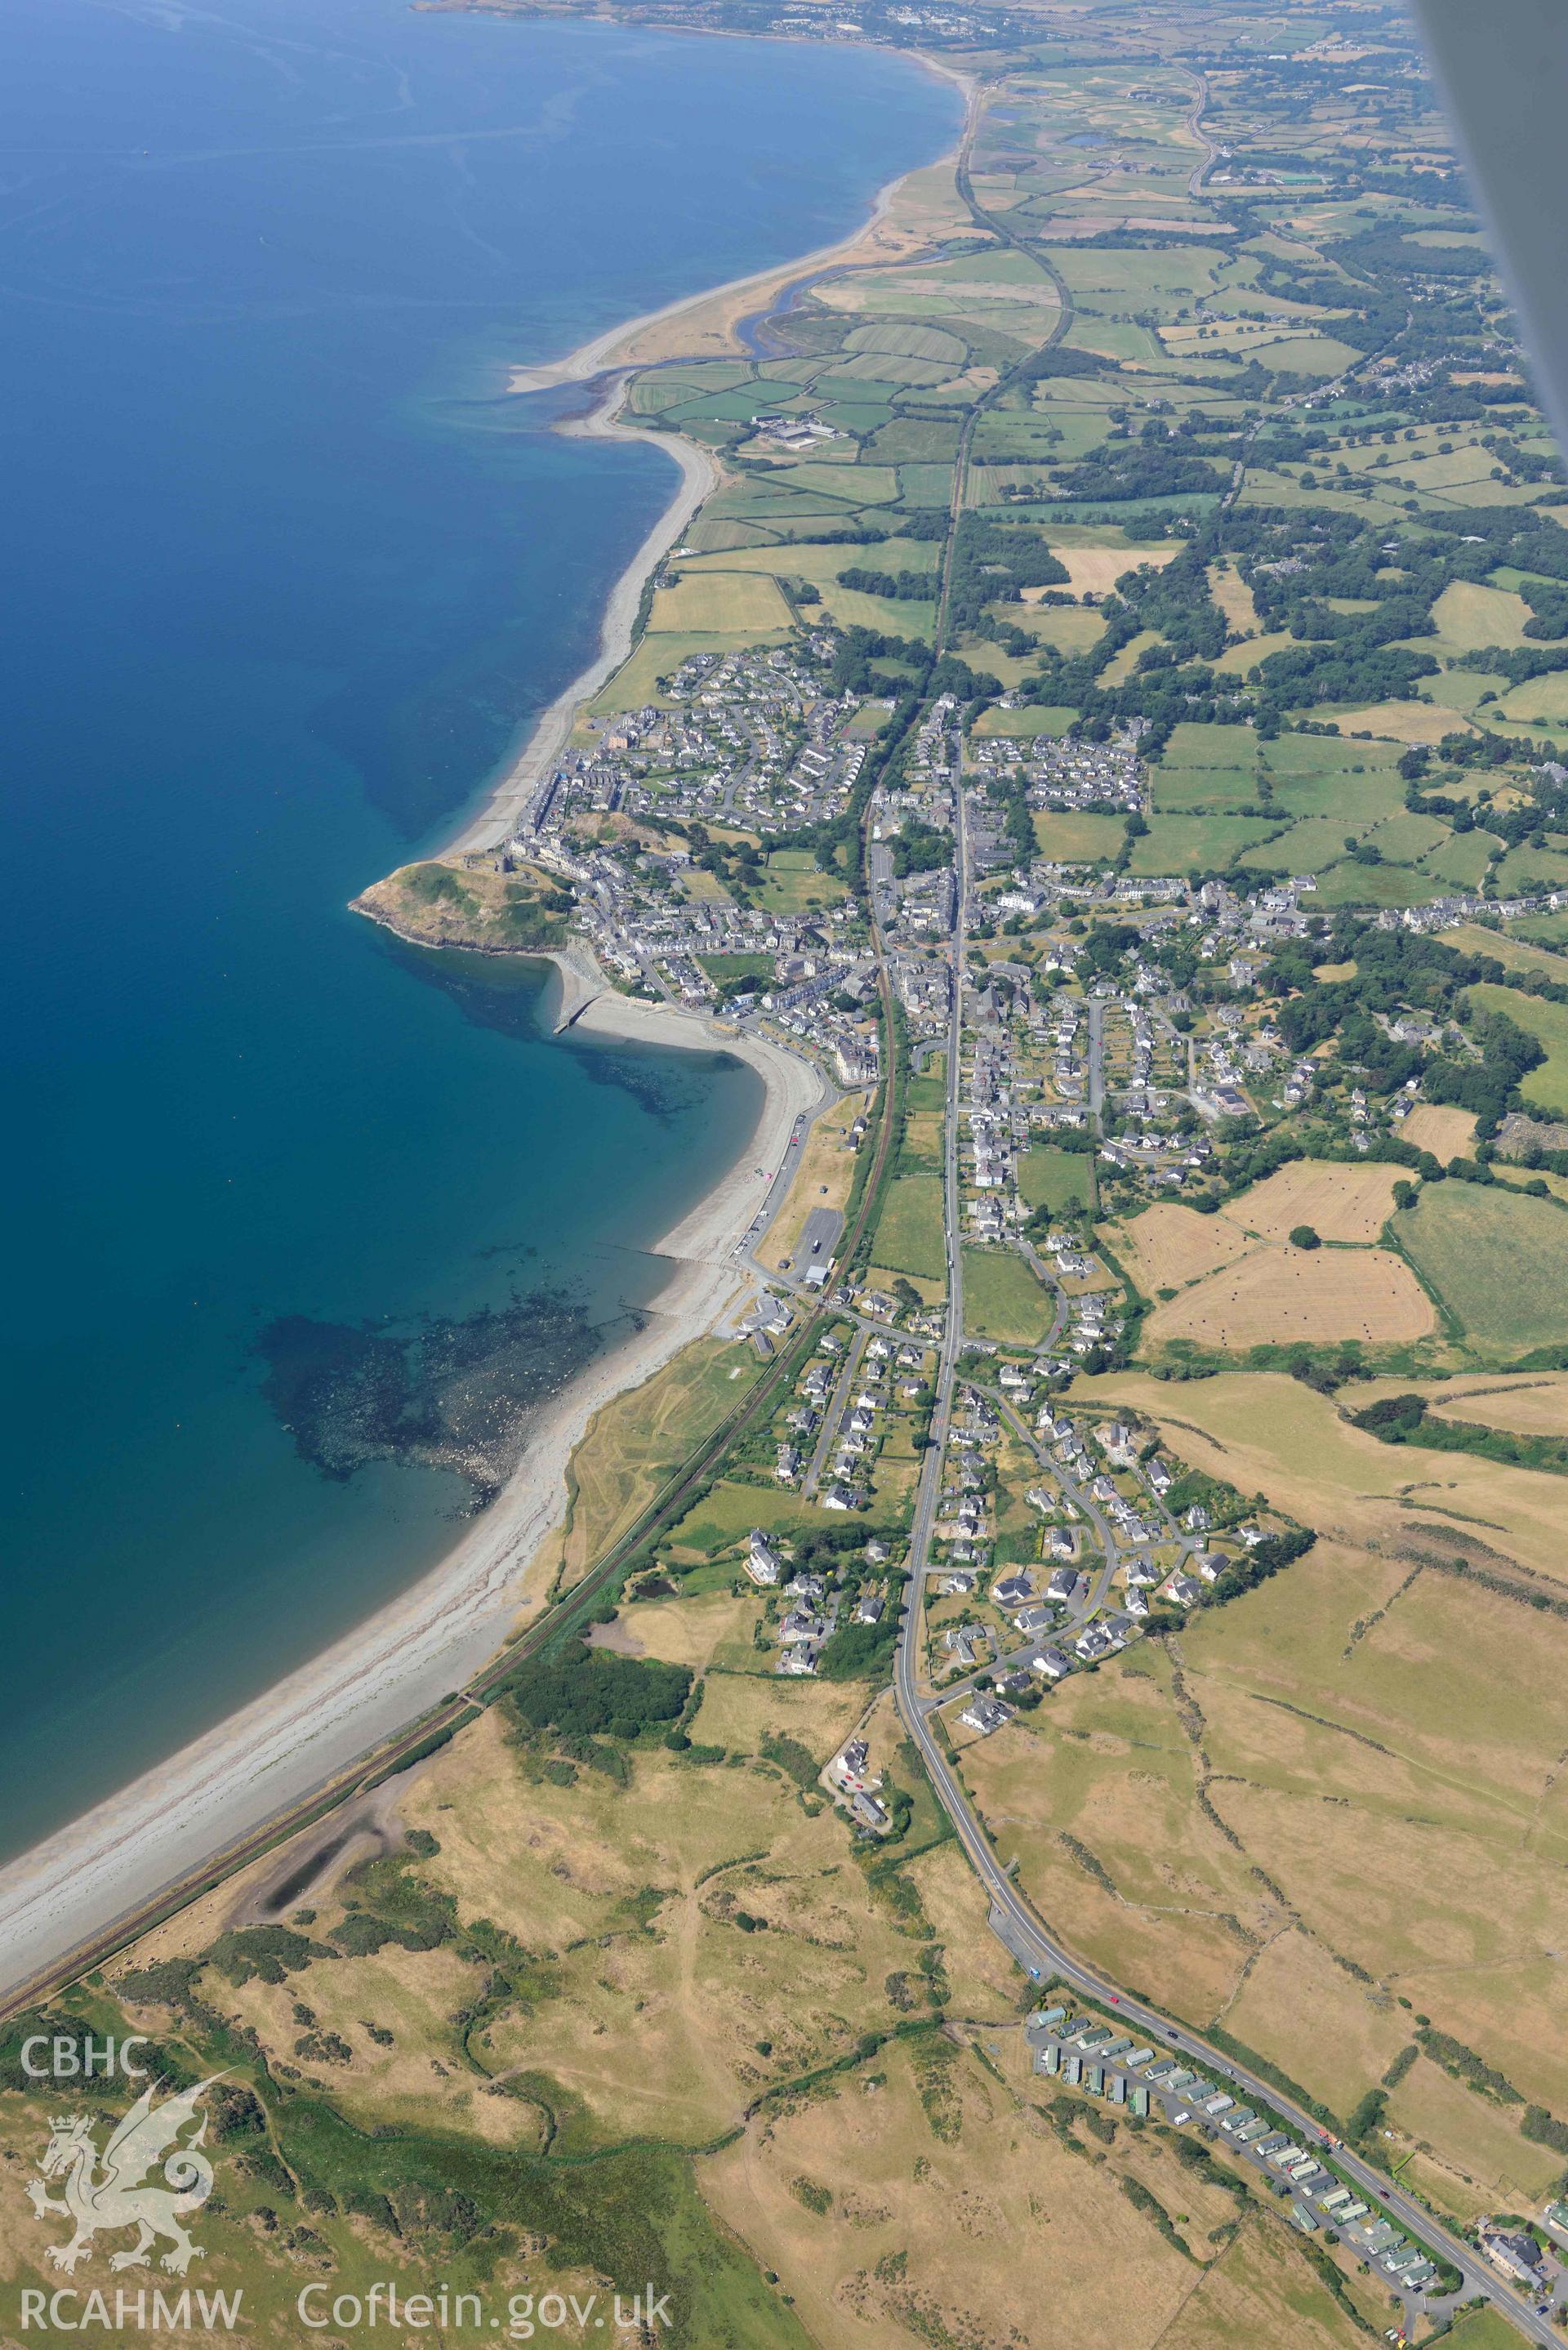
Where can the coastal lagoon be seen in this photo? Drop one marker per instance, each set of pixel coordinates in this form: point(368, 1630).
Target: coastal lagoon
point(300, 1219)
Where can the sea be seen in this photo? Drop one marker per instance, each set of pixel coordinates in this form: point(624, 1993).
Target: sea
point(297, 1221)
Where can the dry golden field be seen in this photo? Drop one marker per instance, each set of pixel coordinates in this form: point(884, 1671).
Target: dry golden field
point(1094, 570)
point(1340, 1203)
point(1319, 1295)
point(1535, 1404)
point(1270, 1434)
point(932, 2206)
point(1234, 598)
point(1402, 721)
point(1338, 1805)
point(1167, 1246)
point(1446, 1132)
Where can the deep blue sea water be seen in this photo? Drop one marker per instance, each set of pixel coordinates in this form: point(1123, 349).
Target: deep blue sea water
point(283, 580)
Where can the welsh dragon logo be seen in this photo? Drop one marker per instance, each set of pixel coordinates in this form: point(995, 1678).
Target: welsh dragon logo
point(107, 2191)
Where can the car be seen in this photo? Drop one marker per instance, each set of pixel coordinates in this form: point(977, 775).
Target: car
point(1177, 2119)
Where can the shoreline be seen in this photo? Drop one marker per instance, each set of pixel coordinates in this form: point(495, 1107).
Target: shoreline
point(304, 1732)
point(493, 821)
point(598, 355)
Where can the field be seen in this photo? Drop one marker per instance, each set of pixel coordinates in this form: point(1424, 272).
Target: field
point(1180, 844)
point(1546, 1087)
point(735, 603)
point(1430, 2110)
point(564, 1866)
point(1167, 1246)
point(1108, 1769)
point(1485, 2330)
point(793, 881)
point(884, 2216)
point(1498, 1261)
point(910, 1230)
point(1270, 1434)
point(1078, 840)
point(1461, 861)
point(1218, 791)
point(631, 1446)
point(1373, 886)
point(1276, 1294)
point(1514, 953)
point(1402, 722)
point(1542, 702)
point(1340, 1203)
point(1094, 570)
point(1234, 598)
point(1024, 725)
point(1342, 1797)
point(1471, 617)
point(1056, 1179)
point(723, 1517)
point(1212, 746)
point(1002, 1300)
point(1534, 1405)
point(1446, 1132)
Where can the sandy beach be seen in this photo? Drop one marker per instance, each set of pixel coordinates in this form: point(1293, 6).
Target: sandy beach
point(304, 1732)
point(632, 343)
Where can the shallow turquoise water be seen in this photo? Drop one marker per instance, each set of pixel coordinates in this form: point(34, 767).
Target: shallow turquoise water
point(287, 576)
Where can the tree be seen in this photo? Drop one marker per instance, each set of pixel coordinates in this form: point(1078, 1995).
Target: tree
point(1303, 1237)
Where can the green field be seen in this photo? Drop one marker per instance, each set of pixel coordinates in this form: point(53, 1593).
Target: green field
point(910, 342)
point(1461, 861)
point(1056, 1179)
point(1212, 747)
point(1545, 1088)
point(1213, 791)
point(1497, 1260)
point(726, 1513)
point(721, 967)
point(793, 882)
point(1027, 724)
point(1404, 838)
point(1357, 799)
point(909, 1229)
point(1523, 868)
point(1002, 1300)
point(1485, 2329)
point(1179, 844)
point(1546, 929)
point(1309, 846)
point(1373, 885)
